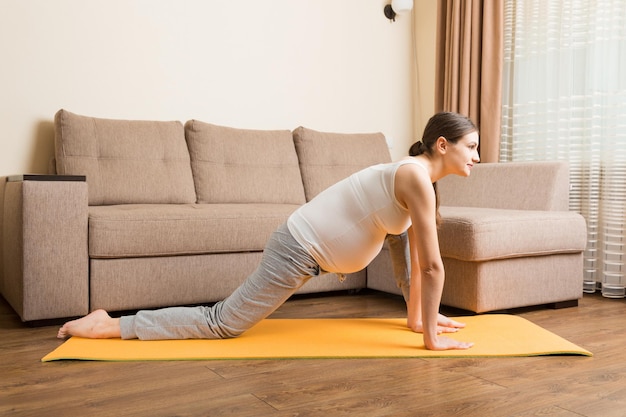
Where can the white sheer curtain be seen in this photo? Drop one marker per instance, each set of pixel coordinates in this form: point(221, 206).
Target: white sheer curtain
point(564, 98)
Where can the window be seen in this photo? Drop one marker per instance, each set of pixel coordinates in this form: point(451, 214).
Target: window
point(564, 98)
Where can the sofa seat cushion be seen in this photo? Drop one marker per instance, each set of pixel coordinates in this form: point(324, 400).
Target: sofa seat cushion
point(481, 234)
point(140, 230)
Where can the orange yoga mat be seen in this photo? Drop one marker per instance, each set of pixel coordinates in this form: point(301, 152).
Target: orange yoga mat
point(497, 335)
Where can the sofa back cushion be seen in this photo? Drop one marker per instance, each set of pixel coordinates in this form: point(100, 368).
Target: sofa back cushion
point(326, 158)
point(125, 161)
point(242, 165)
point(538, 185)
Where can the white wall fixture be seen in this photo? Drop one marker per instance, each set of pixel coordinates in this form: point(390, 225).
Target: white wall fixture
point(396, 7)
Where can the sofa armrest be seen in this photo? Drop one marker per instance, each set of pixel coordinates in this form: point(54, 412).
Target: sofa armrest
point(44, 248)
point(511, 185)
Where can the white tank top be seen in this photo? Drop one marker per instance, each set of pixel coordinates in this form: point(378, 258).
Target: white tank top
point(344, 227)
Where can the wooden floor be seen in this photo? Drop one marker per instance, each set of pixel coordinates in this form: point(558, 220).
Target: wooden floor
point(536, 386)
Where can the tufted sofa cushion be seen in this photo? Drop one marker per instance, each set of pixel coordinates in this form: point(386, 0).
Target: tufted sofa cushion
point(125, 161)
point(233, 165)
point(326, 158)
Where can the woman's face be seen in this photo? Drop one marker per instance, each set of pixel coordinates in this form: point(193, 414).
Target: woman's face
point(463, 154)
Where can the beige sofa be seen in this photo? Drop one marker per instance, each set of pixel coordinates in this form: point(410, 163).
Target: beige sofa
point(174, 214)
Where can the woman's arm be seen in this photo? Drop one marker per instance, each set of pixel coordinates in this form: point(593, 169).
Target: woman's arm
point(414, 317)
point(415, 191)
point(414, 303)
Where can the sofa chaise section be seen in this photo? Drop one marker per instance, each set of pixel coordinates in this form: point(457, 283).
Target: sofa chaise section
point(508, 239)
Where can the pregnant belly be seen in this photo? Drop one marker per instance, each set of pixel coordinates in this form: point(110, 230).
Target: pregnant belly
point(349, 253)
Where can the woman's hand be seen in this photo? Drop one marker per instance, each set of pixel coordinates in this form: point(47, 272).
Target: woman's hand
point(444, 325)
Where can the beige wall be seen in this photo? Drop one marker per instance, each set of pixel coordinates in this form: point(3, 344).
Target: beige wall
point(335, 65)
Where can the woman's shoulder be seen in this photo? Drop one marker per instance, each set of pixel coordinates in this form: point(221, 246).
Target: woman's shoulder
point(410, 160)
point(411, 170)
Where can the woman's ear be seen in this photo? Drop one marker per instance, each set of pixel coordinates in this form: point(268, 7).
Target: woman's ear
point(441, 145)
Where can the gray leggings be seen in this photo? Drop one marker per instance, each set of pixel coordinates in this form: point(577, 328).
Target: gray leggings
point(284, 268)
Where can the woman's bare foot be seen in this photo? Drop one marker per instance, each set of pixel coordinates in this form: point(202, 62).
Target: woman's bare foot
point(95, 325)
point(444, 325)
